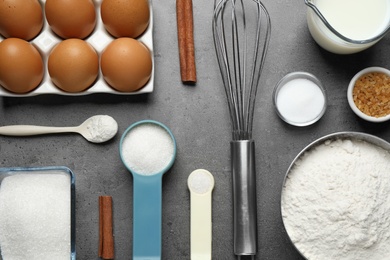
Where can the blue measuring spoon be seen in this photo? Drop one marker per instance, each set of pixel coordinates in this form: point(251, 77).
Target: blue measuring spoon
point(148, 150)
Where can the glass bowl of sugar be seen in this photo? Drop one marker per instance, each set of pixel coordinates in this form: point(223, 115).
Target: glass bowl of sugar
point(37, 213)
point(300, 99)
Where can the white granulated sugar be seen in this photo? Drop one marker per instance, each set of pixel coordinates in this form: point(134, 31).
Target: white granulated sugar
point(200, 182)
point(147, 149)
point(300, 100)
point(335, 202)
point(102, 128)
point(35, 217)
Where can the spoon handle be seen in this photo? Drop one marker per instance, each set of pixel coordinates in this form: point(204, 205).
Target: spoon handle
point(26, 130)
point(201, 183)
point(147, 207)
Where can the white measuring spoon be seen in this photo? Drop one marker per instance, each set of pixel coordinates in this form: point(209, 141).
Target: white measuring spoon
point(201, 183)
point(96, 129)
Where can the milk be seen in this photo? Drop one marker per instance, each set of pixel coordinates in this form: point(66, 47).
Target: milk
point(355, 19)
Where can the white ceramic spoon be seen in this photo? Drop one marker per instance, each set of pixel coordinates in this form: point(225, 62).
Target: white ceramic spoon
point(96, 129)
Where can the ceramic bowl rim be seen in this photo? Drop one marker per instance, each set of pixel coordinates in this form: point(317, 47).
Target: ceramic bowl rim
point(352, 104)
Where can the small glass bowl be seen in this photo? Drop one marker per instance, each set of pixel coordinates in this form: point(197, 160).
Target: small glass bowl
point(302, 120)
point(351, 102)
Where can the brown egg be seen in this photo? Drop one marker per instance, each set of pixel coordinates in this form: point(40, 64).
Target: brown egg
point(20, 18)
point(71, 18)
point(73, 65)
point(125, 18)
point(126, 64)
point(21, 66)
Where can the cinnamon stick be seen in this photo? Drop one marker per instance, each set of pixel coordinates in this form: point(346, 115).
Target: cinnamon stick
point(185, 31)
point(106, 238)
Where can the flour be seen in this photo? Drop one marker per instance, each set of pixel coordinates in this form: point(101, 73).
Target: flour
point(101, 128)
point(335, 202)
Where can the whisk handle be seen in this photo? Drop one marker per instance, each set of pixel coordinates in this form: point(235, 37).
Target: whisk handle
point(244, 197)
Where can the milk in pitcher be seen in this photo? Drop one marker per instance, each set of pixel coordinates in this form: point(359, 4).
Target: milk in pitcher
point(357, 20)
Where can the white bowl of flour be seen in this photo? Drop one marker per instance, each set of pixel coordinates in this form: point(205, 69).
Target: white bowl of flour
point(334, 200)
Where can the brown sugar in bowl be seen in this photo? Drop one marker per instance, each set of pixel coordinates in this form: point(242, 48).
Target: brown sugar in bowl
point(369, 94)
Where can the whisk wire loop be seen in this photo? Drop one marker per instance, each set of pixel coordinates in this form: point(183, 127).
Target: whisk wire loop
point(239, 65)
point(258, 67)
point(223, 59)
point(240, 60)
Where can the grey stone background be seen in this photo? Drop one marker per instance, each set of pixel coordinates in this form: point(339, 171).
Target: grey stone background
point(199, 119)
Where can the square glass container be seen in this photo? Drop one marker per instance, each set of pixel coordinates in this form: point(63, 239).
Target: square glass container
point(32, 174)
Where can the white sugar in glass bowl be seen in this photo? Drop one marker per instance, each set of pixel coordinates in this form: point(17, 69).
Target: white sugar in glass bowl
point(363, 95)
point(300, 99)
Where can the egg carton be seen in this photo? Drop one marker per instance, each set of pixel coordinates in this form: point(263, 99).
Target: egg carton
point(99, 39)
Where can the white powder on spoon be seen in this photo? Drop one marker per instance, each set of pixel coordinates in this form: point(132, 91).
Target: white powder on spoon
point(200, 181)
point(102, 128)
point(35, 217)
point(147, 149)
point(335, 202)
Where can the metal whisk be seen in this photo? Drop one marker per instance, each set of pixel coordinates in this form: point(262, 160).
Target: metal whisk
point(241, 30)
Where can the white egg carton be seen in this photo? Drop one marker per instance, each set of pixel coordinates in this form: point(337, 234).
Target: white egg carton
point(99, 39)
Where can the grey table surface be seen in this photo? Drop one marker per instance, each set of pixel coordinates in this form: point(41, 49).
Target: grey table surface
point(199, 119)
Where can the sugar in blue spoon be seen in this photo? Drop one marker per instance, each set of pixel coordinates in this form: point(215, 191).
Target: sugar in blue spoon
point(148, 150)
